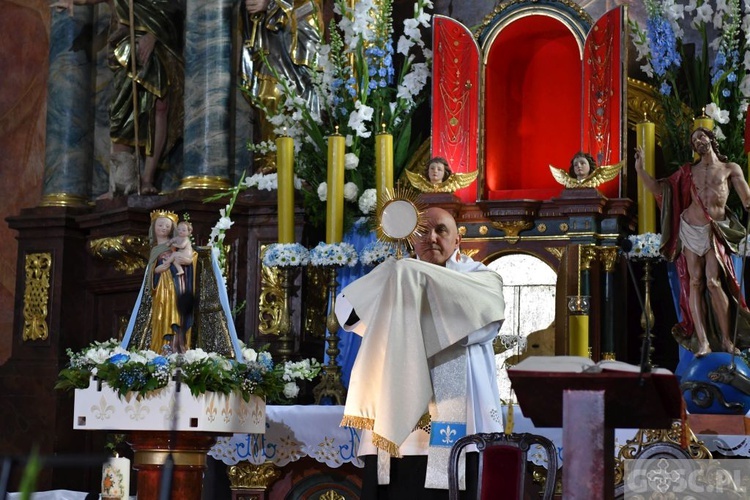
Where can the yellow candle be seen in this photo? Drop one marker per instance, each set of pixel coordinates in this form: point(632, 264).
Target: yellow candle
point(285, 171)
point(335, 197)
point(703, 121)
point(578, 335)
point(645, 133)
point(383, 163)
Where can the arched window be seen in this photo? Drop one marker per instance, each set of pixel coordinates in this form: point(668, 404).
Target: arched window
point(529, 293)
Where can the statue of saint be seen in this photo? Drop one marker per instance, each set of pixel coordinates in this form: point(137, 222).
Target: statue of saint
point(158, 88)
point(282, 38)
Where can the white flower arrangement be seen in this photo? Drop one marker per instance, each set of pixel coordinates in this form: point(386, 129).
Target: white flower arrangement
point(368, 201)
point(363, 84)
point(144, 371)
point(268, 182)
point(376, 252)
point(334, 254)
point(286, 255)
point(645, 246)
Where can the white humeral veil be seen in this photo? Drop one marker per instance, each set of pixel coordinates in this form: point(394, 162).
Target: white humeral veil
point(411, 314)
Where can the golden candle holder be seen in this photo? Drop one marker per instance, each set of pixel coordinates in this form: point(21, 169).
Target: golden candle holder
point(285, 348)
point(330, 384)
point(647, 316)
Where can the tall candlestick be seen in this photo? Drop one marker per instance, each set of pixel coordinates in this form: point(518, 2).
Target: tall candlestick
point(335, 197)
point(645, 133)
point(285, 171)
point(383, 163)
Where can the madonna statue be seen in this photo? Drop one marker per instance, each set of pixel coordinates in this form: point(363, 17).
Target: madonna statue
point(163, 316)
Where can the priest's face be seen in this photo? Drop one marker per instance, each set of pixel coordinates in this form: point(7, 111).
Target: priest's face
point(441, 238)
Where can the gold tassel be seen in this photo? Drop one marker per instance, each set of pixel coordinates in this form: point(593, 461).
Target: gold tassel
point(385, 445)
point(509, 420)
point(357, 422)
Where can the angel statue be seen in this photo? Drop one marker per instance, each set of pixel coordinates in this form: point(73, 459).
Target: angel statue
point(583, 172)
point(438, 177)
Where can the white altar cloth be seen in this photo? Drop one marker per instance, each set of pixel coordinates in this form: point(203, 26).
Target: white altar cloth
point(294, 432)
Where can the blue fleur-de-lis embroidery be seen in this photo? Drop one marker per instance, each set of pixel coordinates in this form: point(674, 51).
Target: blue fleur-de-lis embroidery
point(447, 434)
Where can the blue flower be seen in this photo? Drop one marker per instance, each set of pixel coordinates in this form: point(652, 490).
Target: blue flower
point(732, 77)
point(119, 359)
point(726, 92)
point(159, 361)
point(665, 88)
point(663, 45)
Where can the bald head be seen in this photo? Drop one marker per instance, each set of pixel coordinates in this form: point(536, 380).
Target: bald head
point(441, 238)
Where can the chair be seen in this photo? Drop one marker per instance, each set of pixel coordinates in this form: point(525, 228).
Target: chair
point(502, 464)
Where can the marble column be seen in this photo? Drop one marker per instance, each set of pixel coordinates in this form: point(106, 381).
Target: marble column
point(208, 93)
point(70, 110)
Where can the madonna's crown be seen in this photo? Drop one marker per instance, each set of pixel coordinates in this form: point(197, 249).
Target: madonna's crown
point(165, 213)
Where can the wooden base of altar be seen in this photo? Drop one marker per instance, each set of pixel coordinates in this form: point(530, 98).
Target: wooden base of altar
point(729, 425)
point(189, 451)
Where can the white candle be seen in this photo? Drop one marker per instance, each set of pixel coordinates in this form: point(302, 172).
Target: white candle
point(116, 479)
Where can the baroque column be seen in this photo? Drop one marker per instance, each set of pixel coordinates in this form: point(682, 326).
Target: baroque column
point(208, 91)
point(70, 112)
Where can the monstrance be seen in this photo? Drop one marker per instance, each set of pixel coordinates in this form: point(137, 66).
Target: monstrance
point(400, 218)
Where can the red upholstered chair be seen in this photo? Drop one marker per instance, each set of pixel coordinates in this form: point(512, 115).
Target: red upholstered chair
point(502, 464)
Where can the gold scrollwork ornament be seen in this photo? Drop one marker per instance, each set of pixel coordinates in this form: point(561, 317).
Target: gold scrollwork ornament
point(36, 296)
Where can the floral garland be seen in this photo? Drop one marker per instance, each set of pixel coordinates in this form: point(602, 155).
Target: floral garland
point(286, 255)
point(334, 254)
point(645, 246)
point(141, 372)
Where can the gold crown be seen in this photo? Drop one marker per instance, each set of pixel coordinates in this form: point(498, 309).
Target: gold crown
point(165, 213)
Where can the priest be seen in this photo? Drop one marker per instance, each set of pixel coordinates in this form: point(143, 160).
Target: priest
point(425, 373)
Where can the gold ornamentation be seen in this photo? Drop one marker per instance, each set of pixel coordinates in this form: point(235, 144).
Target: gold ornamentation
point(155, 214)
point(127, 253)
point(609, 257)
point(643, 101)
point(245, 475)
point(648, 437)
point(556, 251)
point(599, 176)
point(456, 181)
point(36, 296)
point(483, 230)
point(470, 252)
point(541, 227)
point(63, 200)
point(400, 217)
point(490, 18)
point(270, 299)
point(331, 495)
point(182, 458)
point(315, 302)
point(609, 356)
point(588, 255)
point(512, 228)
point(462, 230)
point(204, 182)
point(564, 227)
